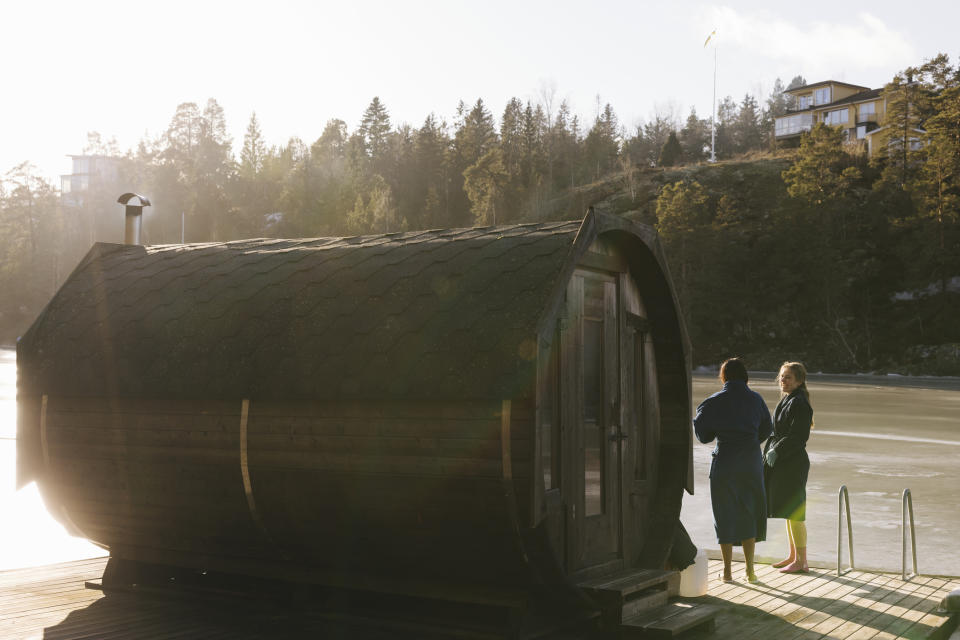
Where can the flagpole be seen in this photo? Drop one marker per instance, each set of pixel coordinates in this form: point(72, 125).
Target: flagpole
point(713, 113)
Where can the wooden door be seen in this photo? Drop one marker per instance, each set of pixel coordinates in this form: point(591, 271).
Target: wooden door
point(592, 341)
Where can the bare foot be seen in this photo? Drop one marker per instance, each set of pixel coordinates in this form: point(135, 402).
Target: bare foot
point(752, 578)
point(795, 567)
point(783, 562)
point(726, 576)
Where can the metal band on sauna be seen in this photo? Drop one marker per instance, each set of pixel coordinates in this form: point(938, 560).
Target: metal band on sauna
point(505, 448)
point(245, 470)
point(43, 434)
point(509, 495)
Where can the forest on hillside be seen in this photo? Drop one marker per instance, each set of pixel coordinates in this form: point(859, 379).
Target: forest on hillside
point(815, 253)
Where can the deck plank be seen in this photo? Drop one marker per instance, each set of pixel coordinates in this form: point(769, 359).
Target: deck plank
point(879, 613)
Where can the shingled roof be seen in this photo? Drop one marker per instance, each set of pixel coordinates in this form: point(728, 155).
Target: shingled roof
point(448, 313)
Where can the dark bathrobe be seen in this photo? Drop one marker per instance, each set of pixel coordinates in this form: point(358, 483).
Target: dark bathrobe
point(787, 480)
point(739, 420)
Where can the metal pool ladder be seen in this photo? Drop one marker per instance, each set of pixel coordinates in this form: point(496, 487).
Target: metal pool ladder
point(844, 500)
point(907, 506)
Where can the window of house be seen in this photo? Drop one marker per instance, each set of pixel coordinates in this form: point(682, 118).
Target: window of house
point(804, 102)
point(794, 124)
point(861, 132)
point(839, 116)
point(822, 96)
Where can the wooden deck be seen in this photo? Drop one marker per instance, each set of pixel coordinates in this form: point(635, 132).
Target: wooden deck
point(858, 605)
point(52, 603)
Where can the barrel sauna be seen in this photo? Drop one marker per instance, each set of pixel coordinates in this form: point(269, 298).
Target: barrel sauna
point(497, 407)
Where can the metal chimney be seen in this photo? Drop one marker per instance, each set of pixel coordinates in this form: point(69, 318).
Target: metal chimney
point(135, 204)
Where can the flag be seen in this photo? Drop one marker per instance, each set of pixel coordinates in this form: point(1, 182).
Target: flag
point(707, 41)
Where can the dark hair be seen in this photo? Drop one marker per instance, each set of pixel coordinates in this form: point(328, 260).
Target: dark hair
point(733, 369)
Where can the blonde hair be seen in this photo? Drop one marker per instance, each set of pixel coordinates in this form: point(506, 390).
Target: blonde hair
point(800, 373)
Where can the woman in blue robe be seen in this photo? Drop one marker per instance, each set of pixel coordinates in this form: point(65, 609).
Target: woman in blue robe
point(739, 420)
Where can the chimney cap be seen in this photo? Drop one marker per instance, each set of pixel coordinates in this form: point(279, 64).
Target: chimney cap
point(141, 201)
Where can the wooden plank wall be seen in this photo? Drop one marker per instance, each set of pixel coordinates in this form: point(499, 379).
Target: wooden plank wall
point(379, 486)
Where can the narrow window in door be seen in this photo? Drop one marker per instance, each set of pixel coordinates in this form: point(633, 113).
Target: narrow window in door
point(640, 366)
point(593, 429)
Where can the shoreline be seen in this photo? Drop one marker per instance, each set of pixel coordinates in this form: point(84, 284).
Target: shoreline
point(948, 383)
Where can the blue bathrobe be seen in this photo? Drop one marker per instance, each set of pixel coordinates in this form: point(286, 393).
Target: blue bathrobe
point(739, 420)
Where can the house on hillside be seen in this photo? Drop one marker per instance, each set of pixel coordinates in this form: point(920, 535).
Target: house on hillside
point(858, 110)
point(87, 197)
point(90, 173)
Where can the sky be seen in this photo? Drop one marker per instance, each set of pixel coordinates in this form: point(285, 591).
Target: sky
point(121, 68)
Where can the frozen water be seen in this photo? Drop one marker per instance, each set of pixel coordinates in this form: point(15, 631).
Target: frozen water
point(29, 536)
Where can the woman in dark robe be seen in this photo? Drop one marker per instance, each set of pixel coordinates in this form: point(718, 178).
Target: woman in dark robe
point(786, 464)
point(739, 420)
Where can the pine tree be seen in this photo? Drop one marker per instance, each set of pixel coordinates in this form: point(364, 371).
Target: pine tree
point(725, 143)
point(671, 153)
point(896, 146)
point(682, 208)
point(431, 144)
point(534, 125)
point(797, 81)
point(375, 129)
point(655, 135)
point(566, 147)
point(776, 102)
point(747, 135)
point(474, 136)
point(484, 182)
point(601, 147)
point(512, 136)
point(935, 186)
point(695, 138)
point(823, 171)
point(254, 149)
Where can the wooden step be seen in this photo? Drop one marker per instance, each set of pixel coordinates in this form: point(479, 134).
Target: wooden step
point(625, 583)
point(670, 620)
point(645, 600)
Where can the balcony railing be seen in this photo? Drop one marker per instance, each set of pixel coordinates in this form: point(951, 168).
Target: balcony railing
point(866, 117)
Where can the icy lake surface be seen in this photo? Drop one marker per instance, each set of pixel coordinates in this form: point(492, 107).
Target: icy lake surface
point(28, 535)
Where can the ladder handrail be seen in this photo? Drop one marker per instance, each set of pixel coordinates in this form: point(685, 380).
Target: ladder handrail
point(843, 498)
point(907, 505)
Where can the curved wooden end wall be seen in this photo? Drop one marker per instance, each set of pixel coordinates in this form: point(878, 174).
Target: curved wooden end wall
point(414, 488)
point(653, 508)
point(673, 394)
